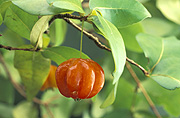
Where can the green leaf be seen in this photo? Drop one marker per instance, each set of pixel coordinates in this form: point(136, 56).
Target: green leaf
point(1, 19)
point(152, 47)
point(25, 110)
point(112, 34)
point(6, 91)
point(164, 58)
point(38, 7)
point(5, 111)
point(38, 30)
point(58, 31)
point(129, 36)
point(4, 4)
point(120, 12)
point(33, 69)
point(19, 21)
point(156, 26)
point(62, 107)
point(160, 96)
point(111, 97)
point(74, 5)
point(170, 9)
point(61, 53)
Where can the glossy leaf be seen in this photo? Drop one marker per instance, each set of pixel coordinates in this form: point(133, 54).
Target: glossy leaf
point(33, 68)
point(38, 7)
point(74, 5)
point(58, 31)
point(164, 58)
point(120, 12)
point(170, 9)
point(19, 21)
point(63, 106)
point(129, 36)
point(61, 53)
point(111, 33)
point(25, 110)
point(38, 30)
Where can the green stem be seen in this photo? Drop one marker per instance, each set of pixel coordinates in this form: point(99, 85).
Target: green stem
point(81, 39)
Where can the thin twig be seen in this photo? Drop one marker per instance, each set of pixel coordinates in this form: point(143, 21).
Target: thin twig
point(133, 74)
point(61, 16)
point(12, 48)
point(100, 45)
point(49, 111)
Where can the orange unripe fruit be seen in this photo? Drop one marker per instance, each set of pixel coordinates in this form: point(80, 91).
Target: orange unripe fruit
point(51, 80)
point(79, 78)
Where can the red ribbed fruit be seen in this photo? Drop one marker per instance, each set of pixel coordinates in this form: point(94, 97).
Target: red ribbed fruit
point(79, 78)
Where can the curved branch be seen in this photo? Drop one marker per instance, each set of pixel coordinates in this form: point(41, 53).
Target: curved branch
point(100, 45)
point(24, 49)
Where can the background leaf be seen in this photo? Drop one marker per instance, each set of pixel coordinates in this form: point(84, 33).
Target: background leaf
point(38, 7)
point(170, 9)
point(5, 111)
point(19, 21)
point(116, 43)
point(61, 53)
point(163, 97)
point(74, 5)
point(6, 91)
point(38, 30)
point(120, 12)
point(25, 110)
point(60, 107)
point(155, 26)
point(129, 36)
point(166, 59)
point(58, 31)
point(1, 19)
point(33, 68)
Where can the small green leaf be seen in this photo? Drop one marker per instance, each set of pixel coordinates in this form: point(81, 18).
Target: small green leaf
point(33, 69)
point(120, 12)
point(170, 9)
point(58, 31)
point(19, 21)
point(129, 36)
point(38, 30)
point(25, 110)
point(111, 33)
point(74, 5)
point(38, 7)
point(46, 40)
point(164, 58)
point(61, 53)
point(111, 97)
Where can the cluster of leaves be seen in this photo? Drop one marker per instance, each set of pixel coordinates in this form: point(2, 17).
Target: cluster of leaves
point(123, 24)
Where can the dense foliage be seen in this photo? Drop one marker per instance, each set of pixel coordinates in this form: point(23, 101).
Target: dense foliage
point(135, 41)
